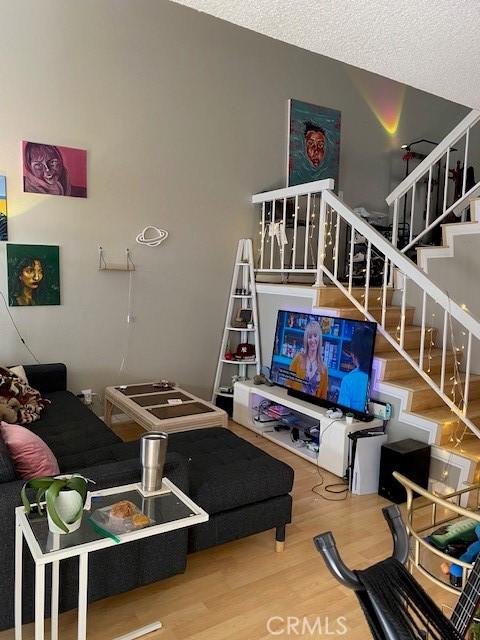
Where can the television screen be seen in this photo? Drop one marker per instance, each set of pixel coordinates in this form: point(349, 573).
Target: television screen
point(329, 359)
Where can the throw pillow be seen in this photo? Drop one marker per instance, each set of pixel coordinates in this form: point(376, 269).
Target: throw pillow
point(19, 403)
point(20, 372)
point(7, 470)
point(31, 457)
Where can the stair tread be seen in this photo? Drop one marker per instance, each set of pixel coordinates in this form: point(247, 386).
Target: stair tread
point(370, 309)
point(396, 355)
point(333, 287)
point(443, 414)
point(410, 328)
point(469, 448)
point(419, 384)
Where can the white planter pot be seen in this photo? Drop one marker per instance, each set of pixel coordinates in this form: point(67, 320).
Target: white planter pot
point(349, 419)
point(68, 504)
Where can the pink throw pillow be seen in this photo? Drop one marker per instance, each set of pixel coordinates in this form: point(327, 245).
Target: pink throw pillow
point(31, 457)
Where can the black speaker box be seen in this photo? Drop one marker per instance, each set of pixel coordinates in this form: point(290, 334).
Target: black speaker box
point(410, 458)
point(225, 403)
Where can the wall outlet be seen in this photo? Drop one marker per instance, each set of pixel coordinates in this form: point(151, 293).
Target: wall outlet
point(87, 396)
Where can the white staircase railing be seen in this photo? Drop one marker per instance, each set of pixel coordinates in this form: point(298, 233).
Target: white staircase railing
point(429, 194)
point(337, 233)
point(289, 228)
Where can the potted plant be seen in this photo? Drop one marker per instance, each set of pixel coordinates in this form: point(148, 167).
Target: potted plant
point(349, 417)
point(64, 497)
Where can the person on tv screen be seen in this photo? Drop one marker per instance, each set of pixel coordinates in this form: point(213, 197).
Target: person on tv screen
point(308, 366)
point(354, 386)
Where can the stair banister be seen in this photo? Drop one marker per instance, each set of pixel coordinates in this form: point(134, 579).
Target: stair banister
point(332, 213)
point(403, 263)
point(411, 274)
point(434, 156)
point(291, 192)
point(277, 215)
point(426, 168)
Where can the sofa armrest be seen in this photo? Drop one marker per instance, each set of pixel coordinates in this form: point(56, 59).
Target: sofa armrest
point(47, 378)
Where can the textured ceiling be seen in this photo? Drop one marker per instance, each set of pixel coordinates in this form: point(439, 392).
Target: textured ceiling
point(433, 45)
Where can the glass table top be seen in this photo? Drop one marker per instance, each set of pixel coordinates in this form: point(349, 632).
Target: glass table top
point(161, 509)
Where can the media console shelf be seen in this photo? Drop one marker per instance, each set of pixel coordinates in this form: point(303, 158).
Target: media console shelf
point(333, 450)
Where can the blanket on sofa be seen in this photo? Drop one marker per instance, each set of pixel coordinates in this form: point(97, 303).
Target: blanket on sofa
point(19, 403)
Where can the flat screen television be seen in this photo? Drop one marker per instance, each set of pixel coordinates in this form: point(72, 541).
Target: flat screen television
point(325, 360)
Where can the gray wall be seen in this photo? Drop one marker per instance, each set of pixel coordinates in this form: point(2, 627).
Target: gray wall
point(183, 117)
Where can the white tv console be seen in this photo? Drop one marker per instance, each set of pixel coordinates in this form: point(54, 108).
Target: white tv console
point(334, 443)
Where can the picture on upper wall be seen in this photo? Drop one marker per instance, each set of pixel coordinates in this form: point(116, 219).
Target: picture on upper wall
point(54, 170)
point(313, 143)
point(33, 275)
point(3, 209)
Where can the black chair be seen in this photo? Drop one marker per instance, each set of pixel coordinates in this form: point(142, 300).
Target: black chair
point(395, 605)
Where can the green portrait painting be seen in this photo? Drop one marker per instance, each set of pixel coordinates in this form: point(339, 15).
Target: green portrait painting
point(33, 275)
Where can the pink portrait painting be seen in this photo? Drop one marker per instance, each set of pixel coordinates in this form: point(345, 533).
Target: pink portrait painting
point(54, 170)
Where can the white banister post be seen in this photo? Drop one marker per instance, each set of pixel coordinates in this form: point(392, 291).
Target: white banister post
point(321, 241)
point(394, 236)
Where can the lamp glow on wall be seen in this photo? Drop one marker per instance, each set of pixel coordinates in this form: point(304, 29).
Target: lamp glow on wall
point(384, 97)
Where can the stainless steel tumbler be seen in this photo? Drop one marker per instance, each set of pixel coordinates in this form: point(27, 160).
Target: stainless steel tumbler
point(153, 450)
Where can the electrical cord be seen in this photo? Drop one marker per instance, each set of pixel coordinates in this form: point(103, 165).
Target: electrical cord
point(332, 487)
point(22, 339)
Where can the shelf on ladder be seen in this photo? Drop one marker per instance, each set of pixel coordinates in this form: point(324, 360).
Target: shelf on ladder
point(243, 280)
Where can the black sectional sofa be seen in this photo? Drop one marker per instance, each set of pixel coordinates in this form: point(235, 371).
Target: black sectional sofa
point(243, 489)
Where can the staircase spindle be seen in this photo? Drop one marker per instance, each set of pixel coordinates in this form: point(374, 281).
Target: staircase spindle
point(402, 311)
point(307, 228)
point(350, 266)
point(262, 242)
point(465, 160)
point(445, 187)
point(337, 243)
point(444, 350)
point(384, 290)
point(272, 233)
point(284, 220)
point(466, 387)
point(394, 235)
point(294, 247)
point(367, 274)
point(412, 214)
point(395, 223)
point(429, 196)
point(321, 240)
point(422, 333)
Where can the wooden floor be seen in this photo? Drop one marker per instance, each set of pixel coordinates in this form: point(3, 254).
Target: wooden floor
point(231, 591)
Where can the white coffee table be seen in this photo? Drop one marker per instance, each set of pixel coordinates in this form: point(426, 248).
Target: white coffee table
point(155, 409)
point(170, 511)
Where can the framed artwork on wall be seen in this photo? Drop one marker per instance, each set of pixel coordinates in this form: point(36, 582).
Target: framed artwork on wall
point(33, 272)
point(313, 143)
point(54, 170)
point(3, 209)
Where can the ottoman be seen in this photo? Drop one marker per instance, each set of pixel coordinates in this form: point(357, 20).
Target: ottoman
point(242, 488)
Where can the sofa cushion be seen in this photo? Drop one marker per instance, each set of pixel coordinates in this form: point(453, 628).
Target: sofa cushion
point(226, 471)
point(30, 455)
point(69, 427)
point(7, 470)
point(103, 455)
